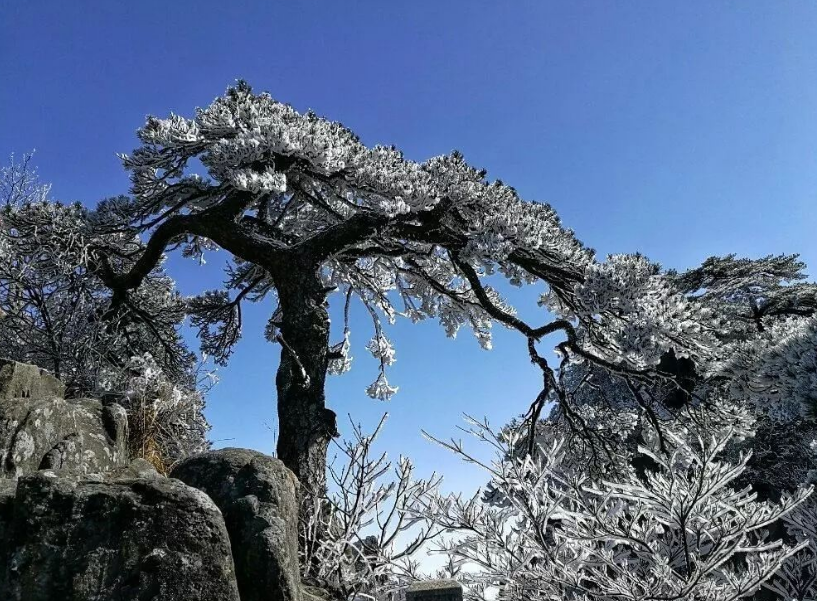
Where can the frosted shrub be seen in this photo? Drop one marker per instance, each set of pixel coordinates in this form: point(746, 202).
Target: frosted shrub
point(165, 421)
point(680, 532)
point(362, 536)
point(797, 579)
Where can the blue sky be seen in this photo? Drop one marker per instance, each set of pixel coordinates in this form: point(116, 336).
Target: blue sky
point(680, 130)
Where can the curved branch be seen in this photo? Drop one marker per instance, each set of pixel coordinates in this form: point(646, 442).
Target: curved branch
point(505, 317)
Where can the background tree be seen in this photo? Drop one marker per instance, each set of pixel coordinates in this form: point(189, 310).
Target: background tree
point(306, 210)
point(761, 314)
point(764, 363)
point(51, 304)
point(19, 182)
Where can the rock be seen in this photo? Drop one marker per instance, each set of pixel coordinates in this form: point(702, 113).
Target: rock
point(21, 380)
point(8, 488)
point(128, 540)
point(45, 432)
point(138, 468)
point(434, 590)
point(259, 499)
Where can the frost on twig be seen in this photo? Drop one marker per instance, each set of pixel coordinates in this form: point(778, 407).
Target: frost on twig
point(362, 537)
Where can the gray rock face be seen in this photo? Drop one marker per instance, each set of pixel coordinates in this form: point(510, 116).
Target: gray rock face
point(73, 539)
point(258, 497)
point(138, 468)
point(79, 522)
point(434, 590)
point(20, 380)
point(52, 433)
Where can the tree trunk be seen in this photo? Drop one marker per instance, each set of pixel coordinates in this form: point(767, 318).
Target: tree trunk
point(306, 426)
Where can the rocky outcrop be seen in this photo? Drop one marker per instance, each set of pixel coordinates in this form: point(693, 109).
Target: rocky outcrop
point(79, 522)
point(52, 433)
point(145, 539)
point(258, 497)
point(21, 380)
point(8, 488)
point(138, 468)
point(41, 430)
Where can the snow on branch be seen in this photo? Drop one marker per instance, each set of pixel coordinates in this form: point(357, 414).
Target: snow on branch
point(286, 190)
point(362, 536)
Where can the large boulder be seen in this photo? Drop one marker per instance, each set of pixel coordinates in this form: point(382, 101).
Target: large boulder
point(258, 496)
point(76, 539)
point(40, 430)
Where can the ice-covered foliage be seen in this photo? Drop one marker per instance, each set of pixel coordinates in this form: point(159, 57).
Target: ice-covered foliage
point(678, 531)
point(19, 182)
point(751, 293)
point(56, 312)
point(631, 314)
point(53, 303)
point(166, 422)
point(797, 579)
point(759, 318)
point(763, 312)
point(363, 535)
point(280, 185)
point(777, 369)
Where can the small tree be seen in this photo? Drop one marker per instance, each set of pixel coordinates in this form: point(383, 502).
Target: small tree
point(20, 184)
point(361, 538)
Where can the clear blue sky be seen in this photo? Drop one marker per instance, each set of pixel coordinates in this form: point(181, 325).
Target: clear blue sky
point(680, 130)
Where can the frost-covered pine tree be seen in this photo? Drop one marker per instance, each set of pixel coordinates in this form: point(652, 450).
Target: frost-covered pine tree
point(306, 210)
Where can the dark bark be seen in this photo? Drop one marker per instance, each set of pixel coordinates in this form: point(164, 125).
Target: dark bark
point(306, 426)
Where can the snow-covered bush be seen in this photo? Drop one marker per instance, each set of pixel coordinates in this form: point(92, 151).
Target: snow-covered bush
point(361, 537)
point(797, 579)
point(679, 531)
point(166, 422)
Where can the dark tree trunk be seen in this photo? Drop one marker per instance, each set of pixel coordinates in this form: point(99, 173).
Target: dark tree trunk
point(306, 426)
